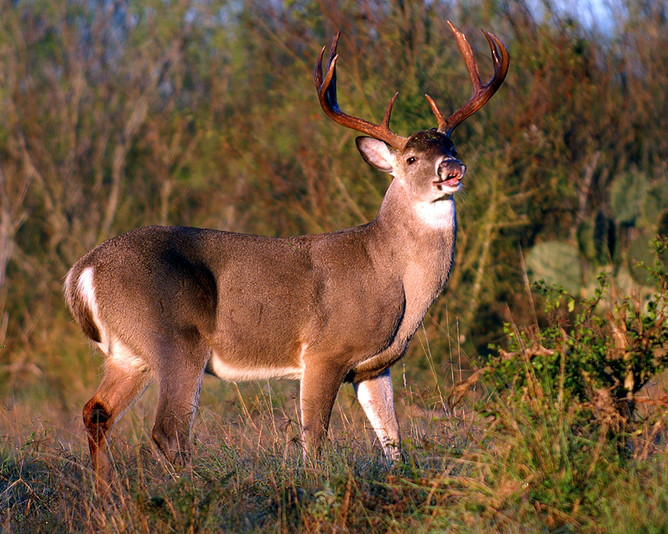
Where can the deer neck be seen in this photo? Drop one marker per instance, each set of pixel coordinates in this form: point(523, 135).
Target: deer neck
point(422, 219)
point(416, 244)
point(417, 237)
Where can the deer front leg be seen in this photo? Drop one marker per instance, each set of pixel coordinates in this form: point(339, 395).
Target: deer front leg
point(377, 399)
point(319, 386)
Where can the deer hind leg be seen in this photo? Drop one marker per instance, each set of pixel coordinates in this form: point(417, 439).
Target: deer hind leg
point(123, 383)
point(180, 381)
point(377, 399)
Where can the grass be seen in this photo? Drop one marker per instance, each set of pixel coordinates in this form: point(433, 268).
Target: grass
point(462, 473)
point(247, 473)
point(534, 466)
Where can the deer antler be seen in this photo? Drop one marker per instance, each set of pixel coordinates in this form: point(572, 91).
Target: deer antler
point(327, 95)
point(481, 93)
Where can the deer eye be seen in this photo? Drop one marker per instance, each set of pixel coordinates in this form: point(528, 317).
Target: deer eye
point(411, 160)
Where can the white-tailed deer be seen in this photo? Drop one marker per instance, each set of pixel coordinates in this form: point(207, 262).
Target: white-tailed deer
point(173, 303)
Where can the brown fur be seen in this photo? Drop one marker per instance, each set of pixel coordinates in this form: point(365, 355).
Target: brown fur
point(340, 306)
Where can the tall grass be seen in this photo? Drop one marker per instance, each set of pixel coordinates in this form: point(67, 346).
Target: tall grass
point(514, 457)
point(527, 471)
point(247, 473)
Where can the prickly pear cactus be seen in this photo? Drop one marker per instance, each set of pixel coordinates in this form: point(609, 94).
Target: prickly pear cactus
point(556, 262)
point(662, 227)
point(656, 202)
point(596, 239)
point(627, 197)
point(640, 251)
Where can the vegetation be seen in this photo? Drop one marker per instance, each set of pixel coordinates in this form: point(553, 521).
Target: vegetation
point(117, 115)
point(610, 355)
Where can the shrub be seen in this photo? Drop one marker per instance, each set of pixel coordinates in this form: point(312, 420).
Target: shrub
point(599, 352)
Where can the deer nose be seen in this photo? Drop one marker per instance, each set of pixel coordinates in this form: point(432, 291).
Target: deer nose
point(451, 169)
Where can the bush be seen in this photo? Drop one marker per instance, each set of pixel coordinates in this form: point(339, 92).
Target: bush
point(562, 409)
point(599, 352)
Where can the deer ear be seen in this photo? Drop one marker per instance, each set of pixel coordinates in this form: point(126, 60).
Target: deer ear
point(376, 153)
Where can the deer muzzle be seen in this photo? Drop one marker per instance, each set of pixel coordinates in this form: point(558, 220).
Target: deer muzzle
point(450, 173)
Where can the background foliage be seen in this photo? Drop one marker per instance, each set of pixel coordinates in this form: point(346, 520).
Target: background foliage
point(203, 113)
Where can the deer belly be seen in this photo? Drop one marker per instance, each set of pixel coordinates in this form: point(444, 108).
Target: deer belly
point(246, 371)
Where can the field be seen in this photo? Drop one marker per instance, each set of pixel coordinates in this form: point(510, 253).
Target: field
point(247, 473)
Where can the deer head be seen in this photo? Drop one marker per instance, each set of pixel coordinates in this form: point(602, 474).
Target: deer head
point(425, 153)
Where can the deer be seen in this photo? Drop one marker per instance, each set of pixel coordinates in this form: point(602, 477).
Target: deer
point(171, 303)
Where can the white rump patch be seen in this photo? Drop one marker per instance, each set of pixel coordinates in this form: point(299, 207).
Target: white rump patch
point(439, 214)
point(86, 289)
point(226, 371)
point(121, 355)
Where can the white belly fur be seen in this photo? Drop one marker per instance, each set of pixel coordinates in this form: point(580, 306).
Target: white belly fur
point(225, 371)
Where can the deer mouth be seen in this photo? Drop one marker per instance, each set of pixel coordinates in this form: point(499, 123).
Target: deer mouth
point(447, 184)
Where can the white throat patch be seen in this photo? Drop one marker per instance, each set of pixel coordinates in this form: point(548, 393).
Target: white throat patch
point(439, 215)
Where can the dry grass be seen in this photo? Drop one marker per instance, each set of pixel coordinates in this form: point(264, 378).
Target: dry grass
point(247, 473)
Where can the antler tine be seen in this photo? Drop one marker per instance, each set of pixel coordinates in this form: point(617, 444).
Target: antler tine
point(481, 93)
point(327, 96)
point(437, 112)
